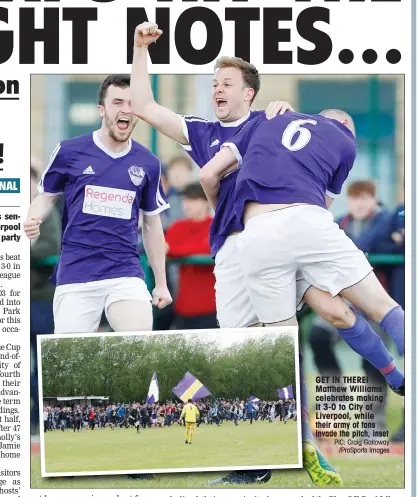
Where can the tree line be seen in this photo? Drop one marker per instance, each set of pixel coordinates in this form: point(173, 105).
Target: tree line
point(122, 367)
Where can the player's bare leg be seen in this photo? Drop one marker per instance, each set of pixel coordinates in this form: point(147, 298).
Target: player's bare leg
point(130, 315)
point(333, 309)
point(370, 296)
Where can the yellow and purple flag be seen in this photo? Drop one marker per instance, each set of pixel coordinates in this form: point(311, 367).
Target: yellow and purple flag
point(190, 388)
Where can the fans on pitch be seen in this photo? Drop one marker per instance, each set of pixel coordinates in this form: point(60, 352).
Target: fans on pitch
point(139, 414)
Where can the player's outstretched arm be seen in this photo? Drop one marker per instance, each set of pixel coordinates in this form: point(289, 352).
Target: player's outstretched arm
point(38, 211)
point(211, 174)
point(143, 104)
point(154, 244)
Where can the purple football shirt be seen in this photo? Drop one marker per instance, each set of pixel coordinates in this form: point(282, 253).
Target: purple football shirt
point(104, 193)
point(293, 158)
point(205, 140)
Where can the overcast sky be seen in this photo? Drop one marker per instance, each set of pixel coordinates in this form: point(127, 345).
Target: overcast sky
point(225, 338)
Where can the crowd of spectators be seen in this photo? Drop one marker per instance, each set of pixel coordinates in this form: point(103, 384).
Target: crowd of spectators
point(167, 414)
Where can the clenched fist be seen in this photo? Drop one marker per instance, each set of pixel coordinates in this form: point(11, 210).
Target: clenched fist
point(146, 33)
point(161, 297)
point(31, 227)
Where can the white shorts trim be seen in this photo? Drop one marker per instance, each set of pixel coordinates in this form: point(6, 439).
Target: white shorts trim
point(78, 307)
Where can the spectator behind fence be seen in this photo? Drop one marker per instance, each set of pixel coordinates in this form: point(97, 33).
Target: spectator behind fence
point(195, 304)
point(174, 178)
point(41, 288)
point(179, 171)
point(369, 225)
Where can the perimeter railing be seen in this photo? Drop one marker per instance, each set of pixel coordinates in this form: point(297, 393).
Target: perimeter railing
point(205, 260)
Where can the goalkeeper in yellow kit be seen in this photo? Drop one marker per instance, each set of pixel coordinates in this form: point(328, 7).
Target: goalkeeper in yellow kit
point(191, 414)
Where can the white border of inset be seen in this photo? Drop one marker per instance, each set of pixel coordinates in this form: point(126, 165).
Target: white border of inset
point(293, 330)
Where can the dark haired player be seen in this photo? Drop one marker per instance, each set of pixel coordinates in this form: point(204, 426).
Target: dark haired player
point(106, 179)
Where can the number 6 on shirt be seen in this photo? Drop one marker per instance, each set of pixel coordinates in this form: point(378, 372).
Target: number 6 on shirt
point(304, 134)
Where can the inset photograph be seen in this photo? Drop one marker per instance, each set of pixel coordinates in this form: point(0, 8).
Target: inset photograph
point(169, 402)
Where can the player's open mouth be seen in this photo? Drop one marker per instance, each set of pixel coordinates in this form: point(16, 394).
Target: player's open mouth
point(220, 102)
point(123, 123)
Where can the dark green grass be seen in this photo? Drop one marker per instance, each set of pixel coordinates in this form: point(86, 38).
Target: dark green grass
point(364, 472)
point(124, 449)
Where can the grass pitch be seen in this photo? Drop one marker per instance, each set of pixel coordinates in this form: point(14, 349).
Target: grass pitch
point(124, 449)
point(365, 472)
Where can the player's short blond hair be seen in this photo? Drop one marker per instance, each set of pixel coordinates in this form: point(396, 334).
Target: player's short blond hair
point(342, 116)
point(248, 71)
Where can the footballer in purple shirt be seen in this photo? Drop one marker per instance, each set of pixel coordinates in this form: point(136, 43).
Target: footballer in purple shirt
point(291, 169)
point(204, 141)
point(107, 179)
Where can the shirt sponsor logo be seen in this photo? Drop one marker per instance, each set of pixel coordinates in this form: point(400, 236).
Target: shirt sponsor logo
point(136, 174)
point(108, 202)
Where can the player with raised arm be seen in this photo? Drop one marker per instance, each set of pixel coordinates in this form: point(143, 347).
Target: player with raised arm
point(235, 85)
point(234, 88)
point(106, 179)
